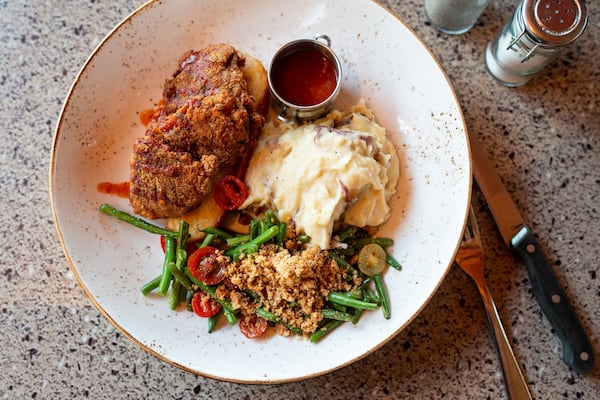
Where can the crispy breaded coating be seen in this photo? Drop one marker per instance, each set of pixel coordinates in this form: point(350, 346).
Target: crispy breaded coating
point(202, 129)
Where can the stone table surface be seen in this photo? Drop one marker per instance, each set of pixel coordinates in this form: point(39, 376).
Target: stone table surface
point(544, 139)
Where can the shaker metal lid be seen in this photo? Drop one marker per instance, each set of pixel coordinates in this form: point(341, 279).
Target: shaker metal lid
point(555, 22)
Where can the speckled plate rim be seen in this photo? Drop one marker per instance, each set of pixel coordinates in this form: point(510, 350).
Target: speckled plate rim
point(434, 136)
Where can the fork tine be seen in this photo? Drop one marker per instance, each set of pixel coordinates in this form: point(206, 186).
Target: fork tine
point(467, 235)
point(471, 229)
point(474, 225)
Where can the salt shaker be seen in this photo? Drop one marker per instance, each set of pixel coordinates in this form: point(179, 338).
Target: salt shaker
point(454, 16)
point(537, 32)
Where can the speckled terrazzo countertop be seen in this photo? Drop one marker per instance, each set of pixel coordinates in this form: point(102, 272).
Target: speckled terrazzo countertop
point(544, 139)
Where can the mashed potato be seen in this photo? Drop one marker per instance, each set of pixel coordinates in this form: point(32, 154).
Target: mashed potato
point(341, 167)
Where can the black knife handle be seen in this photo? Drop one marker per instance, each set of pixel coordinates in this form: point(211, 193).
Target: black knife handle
point(577, 349)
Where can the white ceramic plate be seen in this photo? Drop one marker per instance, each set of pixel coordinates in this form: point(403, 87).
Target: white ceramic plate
point(383, 61)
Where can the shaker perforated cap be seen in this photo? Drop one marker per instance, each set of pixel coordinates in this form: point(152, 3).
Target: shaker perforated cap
point(555, 22)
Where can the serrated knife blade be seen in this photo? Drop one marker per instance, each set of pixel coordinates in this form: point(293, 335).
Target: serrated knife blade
point(577, 349)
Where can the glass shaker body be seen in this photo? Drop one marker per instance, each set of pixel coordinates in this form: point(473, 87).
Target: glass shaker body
point(530, 40)
point(454, 16)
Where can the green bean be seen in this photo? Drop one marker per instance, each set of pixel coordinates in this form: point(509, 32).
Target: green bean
point(208, 240)
point(230, 316)
point(291, 328)
point(237, 240)
point(268, 315)
point(339, 260)
point(392, 261)
point(304, 238)
point(360, 243)
point(339, 307)
point(366, 282)
point(254, 228)
point(336, 314)
point(380, 287)
point(183, 294)
point(343, 299)
point(151, 285)
point(357, 314)
point(281, 235)
point(175, 268)
point(180, 276)
point(367, 293)
point(220, 233)
point(347, 233)
point(212, 322)
point(181, 258)
point(272, 317)
point(340, 251)
point(357, 293)
point(253, 294)
point(324, 330)
point(165, 281)
point(263, 226)
point(182, 236)
point(224, 303)
point(135, 221)
point(210, 290)
point(253, 244)
point(253, 248)
point(270, 218)
point(371, 297)
point(343, 264)
point(174, 294)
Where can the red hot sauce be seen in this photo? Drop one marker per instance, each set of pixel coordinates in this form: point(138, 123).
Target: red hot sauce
point(118, 189)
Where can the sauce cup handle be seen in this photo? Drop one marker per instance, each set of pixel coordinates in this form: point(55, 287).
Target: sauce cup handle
point(325, 38)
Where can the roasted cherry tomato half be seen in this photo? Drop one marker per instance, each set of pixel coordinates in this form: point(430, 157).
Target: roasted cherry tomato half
point(252, 326)
point(230, 192)
point(207, 266)
point(204, 305)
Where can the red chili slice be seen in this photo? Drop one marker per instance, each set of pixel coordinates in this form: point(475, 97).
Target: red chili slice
point(252, 326)
point(163, 243)
point(204, 305)
point(206, 265)
point(230, 192)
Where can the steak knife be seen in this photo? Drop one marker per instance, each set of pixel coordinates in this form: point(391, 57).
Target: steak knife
point(577, 349)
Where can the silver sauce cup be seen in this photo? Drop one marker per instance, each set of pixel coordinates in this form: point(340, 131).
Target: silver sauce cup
point(286, 109)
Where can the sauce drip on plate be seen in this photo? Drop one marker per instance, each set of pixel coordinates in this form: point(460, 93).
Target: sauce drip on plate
point(118, 189)
point(304, 78)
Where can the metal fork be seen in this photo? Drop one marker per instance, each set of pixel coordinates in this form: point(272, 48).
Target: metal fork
point(470, 259)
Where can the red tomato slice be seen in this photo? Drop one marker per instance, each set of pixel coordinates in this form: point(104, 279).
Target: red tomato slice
point(252, 326)
point(204, 305)
point(230, 192)
point(206, 265)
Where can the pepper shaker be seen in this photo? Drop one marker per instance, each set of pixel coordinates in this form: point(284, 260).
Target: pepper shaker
point(537, 32)
point(454, 17)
